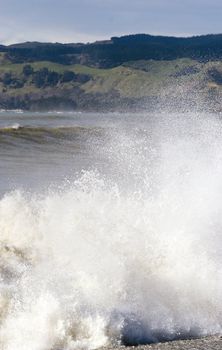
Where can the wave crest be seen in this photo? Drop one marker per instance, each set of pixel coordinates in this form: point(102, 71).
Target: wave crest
point(95, 262)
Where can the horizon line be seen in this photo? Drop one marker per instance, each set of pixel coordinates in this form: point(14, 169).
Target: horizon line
point(186, 36)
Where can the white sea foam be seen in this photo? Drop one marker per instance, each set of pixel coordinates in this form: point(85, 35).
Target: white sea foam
point(14, 126)
point(104, 260)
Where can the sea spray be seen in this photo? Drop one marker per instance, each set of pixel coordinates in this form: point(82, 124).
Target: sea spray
point(128, 255)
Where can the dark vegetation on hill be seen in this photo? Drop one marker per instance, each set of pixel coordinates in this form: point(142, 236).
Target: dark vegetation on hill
point(114, 52)
point(130, 72)
point(41, 78)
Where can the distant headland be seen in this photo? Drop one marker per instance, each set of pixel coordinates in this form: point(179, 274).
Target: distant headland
point(130, 72)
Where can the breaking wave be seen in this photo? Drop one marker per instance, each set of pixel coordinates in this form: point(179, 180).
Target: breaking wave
point(16, 130)
point(127, 257)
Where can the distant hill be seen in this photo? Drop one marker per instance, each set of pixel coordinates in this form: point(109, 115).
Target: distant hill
point(113, 52)
point(131, 72)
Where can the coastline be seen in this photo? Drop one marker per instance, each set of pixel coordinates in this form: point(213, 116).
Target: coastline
point(205, 343)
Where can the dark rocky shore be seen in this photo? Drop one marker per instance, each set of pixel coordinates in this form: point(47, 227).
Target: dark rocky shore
point(206, 343)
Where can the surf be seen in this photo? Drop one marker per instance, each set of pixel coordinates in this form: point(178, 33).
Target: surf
point(128, 254)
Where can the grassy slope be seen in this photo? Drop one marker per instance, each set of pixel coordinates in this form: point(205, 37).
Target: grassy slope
point(133, 79)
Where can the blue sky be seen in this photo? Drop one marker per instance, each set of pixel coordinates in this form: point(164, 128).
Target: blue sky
point(89, 20)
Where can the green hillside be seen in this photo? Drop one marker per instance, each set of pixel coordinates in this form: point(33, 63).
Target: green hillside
point(133, 84)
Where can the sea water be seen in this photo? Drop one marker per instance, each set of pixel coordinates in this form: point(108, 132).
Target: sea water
point(110, 229)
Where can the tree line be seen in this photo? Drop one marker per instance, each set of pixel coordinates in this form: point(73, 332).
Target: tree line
point(41, 78)
point(118, 50)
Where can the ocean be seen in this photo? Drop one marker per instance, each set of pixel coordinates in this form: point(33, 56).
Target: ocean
point(110, 228)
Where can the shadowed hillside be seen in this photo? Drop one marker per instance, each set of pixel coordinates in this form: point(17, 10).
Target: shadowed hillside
point(114, 52)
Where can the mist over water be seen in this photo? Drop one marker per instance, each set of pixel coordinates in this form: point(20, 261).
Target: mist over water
point(125, 246)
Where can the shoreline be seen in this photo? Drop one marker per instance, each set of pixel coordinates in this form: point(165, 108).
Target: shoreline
point(206, 343)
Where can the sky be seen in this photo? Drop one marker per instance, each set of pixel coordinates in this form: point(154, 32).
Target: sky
point(91, 20)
